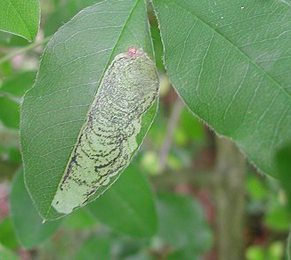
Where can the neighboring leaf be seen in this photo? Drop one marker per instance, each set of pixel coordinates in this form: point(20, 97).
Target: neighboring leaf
point(230, 62)
point(278, 218)
point(95, 248)
point(9, 137)
point(9, 144)
point(80, 219)
point(141, 255)
point(19, 84)
point(192, 126)
point(9, 112)
point(7, 234)
point(288, 247)
point(158, 46)
point(185, 255)
point(128, 206)
point(256, 252)
point(6, 70)
point(9, 40)
point(55, 109)
point(5, 37)
point(64, 13)
point(256, 189)
point(28, 224)
point(6, 254)
point(182, 223)
point(283, 163)
point(20, 17)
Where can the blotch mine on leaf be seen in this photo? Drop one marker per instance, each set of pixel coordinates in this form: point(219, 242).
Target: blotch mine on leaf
point(108, 139)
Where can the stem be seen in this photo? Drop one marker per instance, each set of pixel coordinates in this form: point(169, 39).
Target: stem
point(24, 50)
point(229, 194)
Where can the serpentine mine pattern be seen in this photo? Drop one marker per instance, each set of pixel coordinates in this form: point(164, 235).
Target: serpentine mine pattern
point(108, 139)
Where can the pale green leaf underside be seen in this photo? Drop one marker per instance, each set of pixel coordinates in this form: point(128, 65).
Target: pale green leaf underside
point(55, 109)
point(20, 17)
point(230, 61)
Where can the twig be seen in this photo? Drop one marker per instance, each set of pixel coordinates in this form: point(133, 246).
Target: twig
point(23, 50)
point(229, 194)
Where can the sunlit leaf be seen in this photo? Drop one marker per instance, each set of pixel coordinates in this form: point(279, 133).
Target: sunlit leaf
point(20, 17)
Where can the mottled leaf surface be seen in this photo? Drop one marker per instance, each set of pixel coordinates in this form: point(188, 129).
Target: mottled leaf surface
point(230, 62)
point(72, 67)
point(20, 17)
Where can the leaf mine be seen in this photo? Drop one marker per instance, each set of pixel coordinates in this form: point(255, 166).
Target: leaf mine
point(107, 141)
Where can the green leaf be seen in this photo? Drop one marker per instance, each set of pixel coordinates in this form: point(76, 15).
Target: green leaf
point(7, 234)
point(230, 63)
point(128, 207)
point(20, 17)
point(278, 218)
point(288, 247)
point(94, 248)
point(9, 145)
point(283, 164)
point(72, 67)
point(64, 13)
point(185, 255)
point(9, 40)
point(80, 219)
point(182, 223)
point(9, 112)
point(29, 226)
point(19, 84)
point(6, 254)
point(256, 253)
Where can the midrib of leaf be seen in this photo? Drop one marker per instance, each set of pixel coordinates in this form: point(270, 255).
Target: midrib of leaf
point(103, 72)
point(30, 36)
point(236, 47)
